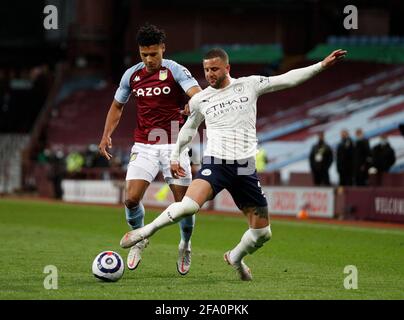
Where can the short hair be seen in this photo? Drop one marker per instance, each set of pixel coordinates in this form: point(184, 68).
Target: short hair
point(149, 35)
point(217, 53)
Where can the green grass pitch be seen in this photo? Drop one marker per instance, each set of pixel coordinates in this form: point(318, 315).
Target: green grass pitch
point(304, 260)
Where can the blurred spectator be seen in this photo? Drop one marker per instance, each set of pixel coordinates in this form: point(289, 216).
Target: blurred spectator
point(89, 156)
point(383, 156)
point(74, 162)
point(362, 158)
point(100, 161)
point(261, 160)
point(58, 167)
point(104, 164)
point(320, 158)
point(44, 156)
point(345, 159)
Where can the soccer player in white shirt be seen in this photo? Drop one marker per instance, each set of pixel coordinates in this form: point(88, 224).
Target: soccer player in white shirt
point(229, 109)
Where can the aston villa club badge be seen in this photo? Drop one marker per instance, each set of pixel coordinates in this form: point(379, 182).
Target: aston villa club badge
point(133, 156)
point(163, 75)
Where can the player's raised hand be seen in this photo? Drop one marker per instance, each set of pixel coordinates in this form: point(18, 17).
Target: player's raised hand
point(333, 58)
point(176, 170)
point(106, 142)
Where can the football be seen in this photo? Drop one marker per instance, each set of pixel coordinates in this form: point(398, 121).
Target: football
point(108, 266)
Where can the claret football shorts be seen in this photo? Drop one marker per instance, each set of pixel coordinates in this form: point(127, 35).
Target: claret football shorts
point(238, 177)
point(146, 160)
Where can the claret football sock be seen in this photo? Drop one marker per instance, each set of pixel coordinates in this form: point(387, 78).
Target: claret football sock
point(186, 229)
point(135, 216)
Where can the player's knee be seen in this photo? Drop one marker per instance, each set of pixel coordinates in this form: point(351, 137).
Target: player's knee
point(132, 202)
point(260, 236)
point(186, 207)
point(189, 205)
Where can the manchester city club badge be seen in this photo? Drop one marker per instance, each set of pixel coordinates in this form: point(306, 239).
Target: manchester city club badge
point(239, 88)
point(163, 75)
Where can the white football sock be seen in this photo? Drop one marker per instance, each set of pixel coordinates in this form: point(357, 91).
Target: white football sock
point(251, 241)
point(172, 214)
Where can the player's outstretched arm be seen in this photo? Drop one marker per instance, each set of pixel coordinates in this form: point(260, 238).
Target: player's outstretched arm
point(297, 76)
point(111, 122)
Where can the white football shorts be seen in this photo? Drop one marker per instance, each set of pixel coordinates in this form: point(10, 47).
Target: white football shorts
point(146, 160)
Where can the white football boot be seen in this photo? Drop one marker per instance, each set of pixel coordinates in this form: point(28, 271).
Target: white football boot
point(131, 238)
point(134, 256)
point(184, 260)
point(242, 269)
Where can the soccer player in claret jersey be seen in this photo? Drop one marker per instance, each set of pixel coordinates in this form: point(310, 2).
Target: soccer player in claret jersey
point(158, 86)
point(229, 109)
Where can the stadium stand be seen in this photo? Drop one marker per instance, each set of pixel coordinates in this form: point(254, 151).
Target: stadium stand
point(78, 119)
point(384, 49)
point(373, 103)
point(238, 53)
point(22, 91)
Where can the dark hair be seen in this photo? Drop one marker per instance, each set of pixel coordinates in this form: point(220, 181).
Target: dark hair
point(149, 35)
point(217, 53)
